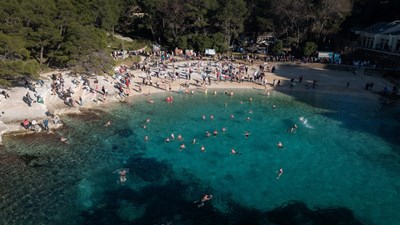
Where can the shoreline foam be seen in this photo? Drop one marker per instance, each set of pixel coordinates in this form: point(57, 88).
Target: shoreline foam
point(15, 110)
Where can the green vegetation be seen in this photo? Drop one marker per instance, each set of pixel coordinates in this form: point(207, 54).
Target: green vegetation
point(35, 34)
point(79, 34)
point(310, 48)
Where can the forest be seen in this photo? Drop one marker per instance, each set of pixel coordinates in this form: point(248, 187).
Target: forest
point(39, 34)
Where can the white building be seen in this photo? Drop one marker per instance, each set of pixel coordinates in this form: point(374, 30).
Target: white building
point(381, 36)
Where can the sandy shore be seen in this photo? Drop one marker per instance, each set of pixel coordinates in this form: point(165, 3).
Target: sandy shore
point(14, 110)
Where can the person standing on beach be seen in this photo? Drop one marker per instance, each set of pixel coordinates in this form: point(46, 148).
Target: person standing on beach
point(46, 124)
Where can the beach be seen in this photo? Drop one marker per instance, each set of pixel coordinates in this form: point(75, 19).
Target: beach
point(14, 109)
point(337, 161)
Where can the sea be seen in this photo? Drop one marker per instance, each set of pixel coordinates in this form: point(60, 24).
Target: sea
point(340, 162)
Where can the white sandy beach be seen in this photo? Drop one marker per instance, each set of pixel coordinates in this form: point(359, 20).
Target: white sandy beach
point(14, 110)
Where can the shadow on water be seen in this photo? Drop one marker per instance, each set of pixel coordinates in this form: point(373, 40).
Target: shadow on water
point(383, 120)
point(167, 203)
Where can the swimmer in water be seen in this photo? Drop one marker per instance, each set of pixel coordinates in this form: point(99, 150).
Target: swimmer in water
point(108, 123)
point(122, 174)
point(144, 126)
point(147, 120)
point(215, 132)
point(233, 152)
point(211, 117)
point(180, 138)
point(223, 129)
point(146, 138)
point(226, 104)
point(204, 117)
point(246, 134)
point(274, 106)
point(150, 100)
point(248, 118)
point(183, 146)
point(208, 134)
point(232, 116)
point(203, 149)
point(250, 111)
point(204, 199)
point(167, 140)
point(172, 137)
point(241, 102)
point(194, 141)
point(280, 172)
point(279, 145)
point(250, 99)
point(293, 129)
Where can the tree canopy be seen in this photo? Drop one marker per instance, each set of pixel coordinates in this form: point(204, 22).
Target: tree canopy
point(73, 33)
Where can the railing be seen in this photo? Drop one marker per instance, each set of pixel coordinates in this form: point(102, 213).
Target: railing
point(397, 53)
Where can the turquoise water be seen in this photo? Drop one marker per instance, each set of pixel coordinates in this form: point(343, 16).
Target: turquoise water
point(341, 166)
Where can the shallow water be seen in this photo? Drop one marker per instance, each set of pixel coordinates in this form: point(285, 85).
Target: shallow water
point(341, 166)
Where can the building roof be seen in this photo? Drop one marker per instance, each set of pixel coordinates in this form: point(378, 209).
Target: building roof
point(387, 28)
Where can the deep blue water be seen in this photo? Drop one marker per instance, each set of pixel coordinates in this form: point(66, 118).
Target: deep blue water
point(341, 166)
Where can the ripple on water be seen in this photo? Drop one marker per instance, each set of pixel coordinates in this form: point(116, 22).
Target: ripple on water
point(332, 168)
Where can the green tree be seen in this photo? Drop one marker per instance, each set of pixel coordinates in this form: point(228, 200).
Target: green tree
point(13, 47)
point(230, 19)
point(309, 48)
point(278, 47)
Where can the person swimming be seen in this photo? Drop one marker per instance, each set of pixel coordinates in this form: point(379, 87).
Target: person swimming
point(146, 138)
point(211, 117)
point(147, 120)
point(248, 118)
point(279, 145)
point(108, 123)
point(232, 116)
point(167, 140)
point(172, 137)
point(233, 152)
point(203, 117)
point(122, 174)
point(208, 134)
point(215, 132)
point(223, 129)
point(250, 99)
point(204, 199)
point(274, 106)
point(180, 138)
point(144, 126)
point(246, 134)
point(292, 129)
point(279, 173)
point(182, 147)
point(194, 141)
point(203, 149)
